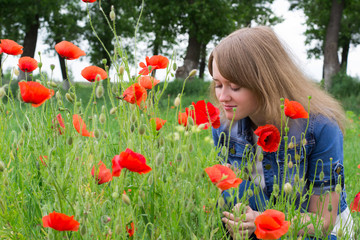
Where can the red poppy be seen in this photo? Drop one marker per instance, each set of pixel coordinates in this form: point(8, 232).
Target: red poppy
point(68, 50)
point(158, 122)
point(269, 137)
point(148, 82)
point(205, 114)
point(223, 177)
point(79, 124)
point(104, 174)
point(156, 62)
point(60, 222)
point(42, 159)
point(27, 64)
point(135, 94)
point(131, 230)
point(355, 205)
point(183, 117)
point(271, 224)
point(1, 51)
point(134, 162)
point(359, 166)
point(10, 47)
point(61, 122)
point(90, 73)
point(89, 1)
point(35, 93)
point(294, 110)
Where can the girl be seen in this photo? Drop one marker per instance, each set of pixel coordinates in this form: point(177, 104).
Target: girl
point(251, 72)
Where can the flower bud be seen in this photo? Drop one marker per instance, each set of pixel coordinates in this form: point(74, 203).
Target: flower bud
point(26, 126)
point(104, 61)
point(115, 195)
point(177, 101)
point(125, 198)
point(288, 188)
point(191, 147)
point(276, 190)
point(40, 64)
point(174, 66)
point(202, 126)
point(260, 157)
point(192, 73)
point(159, 159)
point(69, 98)
point(114, 89)
point(304, 142)
point(2, 92)
point(250, 193)
point(2, 166)
point(38, 81)
point(99, 92)
point(321, 176)
point(58, 95)
point(52, 67)
point(121, 70)
point(290, 164)
point(132, 128)
point(105, 219)
point(102, 118)
point(112, 13)
point(52, 84)
point(338, 189)
point(16, 72)
point(83, 229)
point(340, 233)
point(97, 133)
point(179, 157)
point(69, 140)
point(113, 110)
point(150, 179)
point(330, 207)
point(291, 145)
point(133, 117)
point(190, 122)
point(142, 129)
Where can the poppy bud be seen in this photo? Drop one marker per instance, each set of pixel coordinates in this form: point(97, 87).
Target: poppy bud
point(250, 193)
point(178, 157)
point(112, 13)
point(69, 140)
point(221, 202)
point(176, 136)
point(297, 157)
point(290, 164)
point(161, 141)
point(256, 191)
point(276, 190)
point(291, 145)
point(16, 72)
point(202, 126)
point(113, 110)
point(114, 89)
point(58, 95)
point(192, 73)
point(309, 97)
point(190, 122)
point(304, 142)
point(288, 188)
point(159, 159)
point(105, 219)
point(338, 189)
point(102, 118)
point(38, 81)
point(132, 128)
point(26, 126)
point(69, 98)
point(286, 130)
point(40, 64)
point(330, 207)
point(97, 133)
point(121, 70)
point(99, 92)
point(52, 84)
point(2, 166)
point(191, 147)
point(115, 195)
point(174, 66)
point(321, 176)
point(104, 61)
point(340, 233)
point(150, 179)
point(142, 129)
point(125, 198)
point(52, 67)
point(177, 101)
point(260, 157)
point(133, 118)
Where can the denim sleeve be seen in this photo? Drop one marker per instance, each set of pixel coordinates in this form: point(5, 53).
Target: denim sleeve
point(326, 156)
point(215, 135)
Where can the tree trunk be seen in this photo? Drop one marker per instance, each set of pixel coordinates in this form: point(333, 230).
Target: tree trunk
point(192, 57)
point(344, 55)
point(30, 43)
point(331, 59)
point(202, 61)
point(66, 84)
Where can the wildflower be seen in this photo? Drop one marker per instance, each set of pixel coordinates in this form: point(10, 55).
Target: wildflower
point(223, 177)
point(355, 205)
point(294, 110)
point(80, 126)
point(125, 198)
point(90, 73)
point(135, 94)
point(182, 118)
point(60, 123)
point(158, 122)
point(68, 50)
point(156, 62)
point(271, 224)
point(27, 64)
point(269, 137)
point(103, 175)
point(10, 47)
point(205, 113)
point(112, 13)
point(134, 162)
point(359, 166)
point(148, 82)
point(60, 222)
point(35, 93)
point(131, 230)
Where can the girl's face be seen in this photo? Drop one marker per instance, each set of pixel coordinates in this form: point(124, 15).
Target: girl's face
point(232, 96)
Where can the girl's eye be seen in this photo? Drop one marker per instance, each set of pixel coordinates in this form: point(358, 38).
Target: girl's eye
point(218, 86)
point(235, 88)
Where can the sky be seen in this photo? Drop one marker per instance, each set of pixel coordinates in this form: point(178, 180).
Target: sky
point(290, 31)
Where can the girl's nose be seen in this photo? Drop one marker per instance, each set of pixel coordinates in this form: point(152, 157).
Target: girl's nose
point(224, 95)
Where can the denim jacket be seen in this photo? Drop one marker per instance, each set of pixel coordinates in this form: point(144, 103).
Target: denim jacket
point(322, 152)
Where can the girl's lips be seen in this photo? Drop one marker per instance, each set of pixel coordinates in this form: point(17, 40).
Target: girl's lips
point(229, 107)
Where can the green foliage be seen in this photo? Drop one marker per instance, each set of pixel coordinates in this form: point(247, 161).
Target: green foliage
point(347, 90)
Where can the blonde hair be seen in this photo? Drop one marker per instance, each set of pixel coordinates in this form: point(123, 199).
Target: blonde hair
point(254, 58)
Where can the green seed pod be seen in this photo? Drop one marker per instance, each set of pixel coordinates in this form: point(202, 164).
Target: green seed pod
point(102, 118)
point(179, 157)
point(104, 61)
point(174, 66)
point(52, 67)
point(192, 73)
point(291, 145)
point(142, 129)
point(340, 233)
point(321, 176)
point(250, 193)
point(290, 164)
point(191, 147)
point(69, 98)
point(99, 91)
point(260, 157)
point(115, 195)
point(132, 128)
point(97, 133)
point(69, 140)
point(26, 126)
point(338, 189)
point(2, 166)
point(113, 110)
point(52, 84)
point(125, 198)
point(133, 117)
point(330, 208)
point(159, 159)
point(288, 189)
point(114, 89)
point(40, 64)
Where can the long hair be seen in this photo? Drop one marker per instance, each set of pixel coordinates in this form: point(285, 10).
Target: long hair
point(255, 58)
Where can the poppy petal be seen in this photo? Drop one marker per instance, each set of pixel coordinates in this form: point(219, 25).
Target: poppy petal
point(69, 50)
point(90, 73)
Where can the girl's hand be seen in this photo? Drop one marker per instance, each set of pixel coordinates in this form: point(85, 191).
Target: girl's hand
point(238, 227)
point(237, 171)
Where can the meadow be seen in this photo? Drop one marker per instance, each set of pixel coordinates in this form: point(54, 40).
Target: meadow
point(69, 163)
